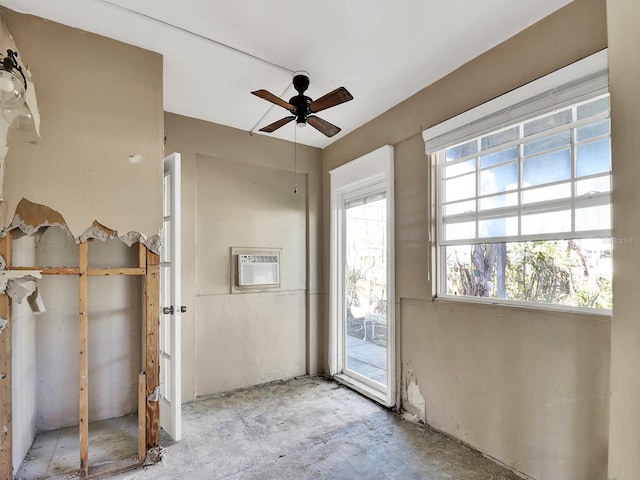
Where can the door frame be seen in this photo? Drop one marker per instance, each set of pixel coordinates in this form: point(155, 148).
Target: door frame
point(371, 171)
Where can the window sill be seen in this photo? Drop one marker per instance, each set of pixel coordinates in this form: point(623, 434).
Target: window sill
point(603, 315)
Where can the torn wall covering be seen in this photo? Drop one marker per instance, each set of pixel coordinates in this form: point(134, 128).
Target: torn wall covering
point(31, 217)
point(7, 43)
point(100, 102)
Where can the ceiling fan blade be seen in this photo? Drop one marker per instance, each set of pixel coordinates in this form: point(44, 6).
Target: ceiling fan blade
point(322, 126)
point(273, 99)
point(331, 99)
point(276, 125)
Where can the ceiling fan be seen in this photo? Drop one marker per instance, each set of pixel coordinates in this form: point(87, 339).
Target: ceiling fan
point(302, 107)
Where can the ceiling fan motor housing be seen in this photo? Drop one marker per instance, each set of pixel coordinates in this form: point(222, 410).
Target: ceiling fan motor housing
point(301, 102)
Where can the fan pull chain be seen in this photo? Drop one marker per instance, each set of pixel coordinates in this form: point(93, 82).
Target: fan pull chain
point(295, 158)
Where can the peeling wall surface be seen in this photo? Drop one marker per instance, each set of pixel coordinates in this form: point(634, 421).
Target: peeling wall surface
point(527, 387)
point(237, 191)
point(114, 333)
point(100, 101)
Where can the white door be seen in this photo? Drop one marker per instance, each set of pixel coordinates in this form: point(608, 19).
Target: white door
point(362, 287)
point(170, 302)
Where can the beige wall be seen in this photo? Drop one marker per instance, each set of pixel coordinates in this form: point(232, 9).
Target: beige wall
point(527, 387)
point(237, 191)
point(100, 101)
point(624, 80)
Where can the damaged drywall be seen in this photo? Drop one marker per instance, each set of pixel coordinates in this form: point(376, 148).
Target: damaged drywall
point(30, 217)
point(80, 165)
point(7, 43)
point(21, 284)
point(413, 401)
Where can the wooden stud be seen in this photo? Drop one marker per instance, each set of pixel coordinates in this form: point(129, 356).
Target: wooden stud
point(152, 348)
point(142, 256)
point(83, 363)
point(53, 270)
point(95, 272)
point(91, 272)
point(6, 463)
point(142, 416)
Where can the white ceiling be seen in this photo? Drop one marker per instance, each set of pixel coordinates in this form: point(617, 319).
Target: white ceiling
point(381, 51)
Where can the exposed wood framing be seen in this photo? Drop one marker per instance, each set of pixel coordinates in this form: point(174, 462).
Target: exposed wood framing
point(6, 464)
point(148, 406)
point(152, 348)
point(142, 403)
point(83, 361)
point(142, 256)
point(91, 272)
point(97, 272)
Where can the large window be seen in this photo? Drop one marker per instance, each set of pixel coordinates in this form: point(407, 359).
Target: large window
point(523, 207)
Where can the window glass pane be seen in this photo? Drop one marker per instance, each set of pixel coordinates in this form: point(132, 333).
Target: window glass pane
point(593, 218)
point(547, 143)
point(165, 248)
point(499, 157)
point(166, 204)
point(460, 151)
point(460, 187)
point(593, 108)
point(551, 167)
point(593, 185)
point(459, 231)
point(594, 130)
point(546, 222)
point(500, 138)
point(498, 227)
point(460, 168)
point(544, 194)
point(564, 272)
point(498, 201)
point(460, 207)
point(550, 121)
point(499, 179)
point(593, 158)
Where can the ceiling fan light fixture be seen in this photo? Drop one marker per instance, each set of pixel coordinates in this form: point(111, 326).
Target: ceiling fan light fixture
point(13, 83)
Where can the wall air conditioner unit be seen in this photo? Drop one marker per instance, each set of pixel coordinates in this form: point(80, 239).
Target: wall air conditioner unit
point(254, 270)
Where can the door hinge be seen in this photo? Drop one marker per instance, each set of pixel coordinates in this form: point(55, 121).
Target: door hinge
point(167, 310)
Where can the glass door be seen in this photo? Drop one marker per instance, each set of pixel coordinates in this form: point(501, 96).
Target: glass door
point(365, 283)
point(361, 294)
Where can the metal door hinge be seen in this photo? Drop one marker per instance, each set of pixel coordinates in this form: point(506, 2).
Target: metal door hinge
point(167, 310)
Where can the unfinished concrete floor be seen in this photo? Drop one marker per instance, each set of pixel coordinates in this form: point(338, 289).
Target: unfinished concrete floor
point(56, 454)
point(309, 428)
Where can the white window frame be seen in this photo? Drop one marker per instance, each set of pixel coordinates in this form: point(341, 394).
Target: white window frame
point(581, 81)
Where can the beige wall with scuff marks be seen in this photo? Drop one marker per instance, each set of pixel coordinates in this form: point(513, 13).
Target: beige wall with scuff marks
point(100, 101)
point(623, 17)
point(527, 387)
point(237, 191)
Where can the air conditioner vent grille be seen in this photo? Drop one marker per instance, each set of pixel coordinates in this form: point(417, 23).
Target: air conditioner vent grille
point(258, 270)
